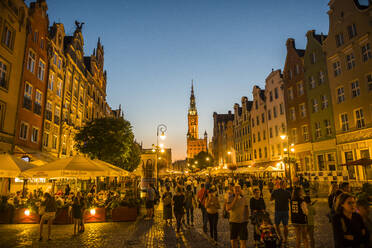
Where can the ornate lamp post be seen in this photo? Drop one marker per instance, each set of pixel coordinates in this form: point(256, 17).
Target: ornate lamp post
point(288, 150)
point(160, 132)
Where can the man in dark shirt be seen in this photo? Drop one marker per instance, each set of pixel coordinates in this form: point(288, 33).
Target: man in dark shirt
point(282, 198)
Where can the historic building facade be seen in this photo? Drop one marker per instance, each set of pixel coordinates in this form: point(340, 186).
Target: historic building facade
point(13, 22)
point(194, 144)
point(223, 139)
point(242, 132)
point(320, 107)
point(349, 63)
point(32, 92)
point(259, 127)
point(298, 121)
point(276, 116)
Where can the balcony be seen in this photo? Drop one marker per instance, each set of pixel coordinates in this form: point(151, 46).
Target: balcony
point(48, 115)
point(27, 103)
point(56, 119)
point(37, 108)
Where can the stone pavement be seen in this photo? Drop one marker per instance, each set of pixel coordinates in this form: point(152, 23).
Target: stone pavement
point(148, 233)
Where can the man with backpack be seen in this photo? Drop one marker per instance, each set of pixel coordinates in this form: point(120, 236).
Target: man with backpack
point(202, 195)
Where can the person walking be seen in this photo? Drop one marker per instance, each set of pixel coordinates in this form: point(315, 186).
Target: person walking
point(167, 205)
point(299, 213)
point(49, 214)
point(239, 214)
point(189, 205)
point(202, 195)
point(282, 198)
point(349, 230)
point(257, 206)
point(150, 201)
point(178, 207)
point(260, 186)
point(212, 205)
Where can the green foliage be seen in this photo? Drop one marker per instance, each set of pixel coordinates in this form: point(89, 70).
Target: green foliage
point(202, 161)
point(110, 140)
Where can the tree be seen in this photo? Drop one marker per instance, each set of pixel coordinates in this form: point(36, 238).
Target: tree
point(110, 140)
point(202, 160)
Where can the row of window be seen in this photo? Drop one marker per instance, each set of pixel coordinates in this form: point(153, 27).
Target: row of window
point(312, 82)
point(352, 32)
point(31, 64)
point(29, 100)
point(24, 132)
point(318, 129)
point(355, 89)
point(300, 91)
point(323, 102)
point(350, 59)
point(358, 117)
point(302, 112)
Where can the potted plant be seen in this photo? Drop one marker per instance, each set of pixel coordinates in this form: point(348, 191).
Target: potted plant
point(126, 207)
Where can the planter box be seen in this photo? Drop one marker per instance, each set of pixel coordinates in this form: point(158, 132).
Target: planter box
point(20, 217)
point(62, 217)
point(6, 216)
point(98, 216)
point(124, 214)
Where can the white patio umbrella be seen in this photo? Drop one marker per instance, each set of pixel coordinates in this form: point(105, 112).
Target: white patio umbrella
point(73, 167)
point(115, 171)
point(11, 166)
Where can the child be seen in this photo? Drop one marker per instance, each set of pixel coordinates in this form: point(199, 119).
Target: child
point(76, 213)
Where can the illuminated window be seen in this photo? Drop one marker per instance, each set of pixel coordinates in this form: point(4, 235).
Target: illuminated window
point(31, 61)
point(359, 118)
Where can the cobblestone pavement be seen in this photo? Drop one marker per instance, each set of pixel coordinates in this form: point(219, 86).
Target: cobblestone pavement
point(148, 233)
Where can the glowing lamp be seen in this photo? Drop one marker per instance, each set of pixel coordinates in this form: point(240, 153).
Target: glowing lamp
point(161, 145)
point(162, 136)
point(153, 149)
point(93, 211)
point(292, 149)
point(283, 137)
point(162, 150)
point(27, 212)
point(285, 149)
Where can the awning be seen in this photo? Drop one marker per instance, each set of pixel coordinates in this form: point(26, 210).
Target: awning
point(363, 162)
point(11, 166)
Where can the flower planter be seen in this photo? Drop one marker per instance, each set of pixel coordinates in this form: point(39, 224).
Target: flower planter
point(6, 216)
point(62, 217)
point(98, 215)
point(124, 214)
point(20, 216)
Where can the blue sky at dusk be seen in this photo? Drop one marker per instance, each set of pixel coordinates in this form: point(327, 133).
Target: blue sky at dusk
point(154, 48)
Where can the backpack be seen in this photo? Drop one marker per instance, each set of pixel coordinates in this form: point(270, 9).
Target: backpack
point(167, 199)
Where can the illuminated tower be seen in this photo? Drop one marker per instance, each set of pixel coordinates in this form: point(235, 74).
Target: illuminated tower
point(192, 117)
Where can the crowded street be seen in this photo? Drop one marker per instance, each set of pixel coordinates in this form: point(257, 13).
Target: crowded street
point(153, 233)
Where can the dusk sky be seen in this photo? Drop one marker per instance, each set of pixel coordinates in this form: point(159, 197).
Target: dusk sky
point(154, 48)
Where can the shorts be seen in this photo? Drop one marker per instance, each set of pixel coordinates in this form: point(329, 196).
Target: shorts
point(238, 230)
point(48, 216)
point(281, 216)
point(149, 204)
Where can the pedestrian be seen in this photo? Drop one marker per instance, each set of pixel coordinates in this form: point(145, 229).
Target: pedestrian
point(189, 205)
point(310, 220)
point(282, 198)
point(363, 208)
point(212, 205)
point(67, 190)
point(260, 185)
point(331, 200)
point(167, 206)
point(271, 186)
point(50, 213)
point(76, 214)
point(195, 183)
point(299, 213)
point(150, 198)
point(239, 214)
point(258, 207)
point(202, 194)
point(178, 207)
point(348, 226)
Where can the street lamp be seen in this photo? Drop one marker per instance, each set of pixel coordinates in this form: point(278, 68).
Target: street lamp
point(288, 150)
point(160, 132)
